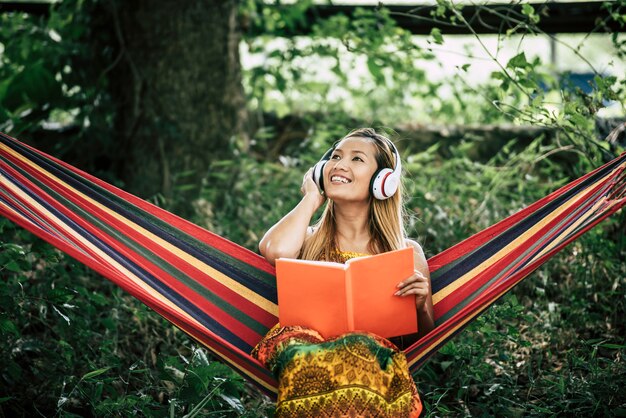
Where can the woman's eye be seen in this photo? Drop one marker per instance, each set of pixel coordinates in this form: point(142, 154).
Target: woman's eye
point(357, 159)
point(334, 157)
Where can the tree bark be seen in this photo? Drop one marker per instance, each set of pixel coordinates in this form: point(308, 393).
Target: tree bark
point(179, 95)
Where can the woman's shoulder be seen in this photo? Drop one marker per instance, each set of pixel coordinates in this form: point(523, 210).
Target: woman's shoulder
point(420, 258)
point(413, 244)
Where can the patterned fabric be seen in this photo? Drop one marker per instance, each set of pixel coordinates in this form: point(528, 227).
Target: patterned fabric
point(342, 256)
point(356, 374)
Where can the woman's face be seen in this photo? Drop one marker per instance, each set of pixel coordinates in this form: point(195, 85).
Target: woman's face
point(348, 173)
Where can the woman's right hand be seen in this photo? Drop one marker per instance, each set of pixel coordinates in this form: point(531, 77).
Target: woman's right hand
point(310, 190)
point(287, 236)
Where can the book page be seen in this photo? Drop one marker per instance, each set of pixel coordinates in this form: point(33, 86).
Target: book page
point(312, 294)
point(375, 307)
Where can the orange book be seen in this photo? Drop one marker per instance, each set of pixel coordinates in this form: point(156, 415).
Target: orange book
point(335, 298)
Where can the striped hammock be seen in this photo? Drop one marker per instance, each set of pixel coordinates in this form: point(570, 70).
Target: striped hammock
point(224, 296)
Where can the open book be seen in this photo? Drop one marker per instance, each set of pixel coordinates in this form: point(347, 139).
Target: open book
point(335, 298)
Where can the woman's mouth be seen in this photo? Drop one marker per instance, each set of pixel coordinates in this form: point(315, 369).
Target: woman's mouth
point(340, 179)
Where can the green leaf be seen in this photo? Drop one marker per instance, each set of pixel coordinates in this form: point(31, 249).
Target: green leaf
point(528, 83)
point(518, 61)
point(436, 34)
point(95, 373)
point(613, 346)
point(99, 389)
point(445, 364)
point(4, 87)
point(529, 11)
point(7, 326)
point(233, 402)
point(185, 187)
point(375, 69)
point(577, 119)
point(12, 266)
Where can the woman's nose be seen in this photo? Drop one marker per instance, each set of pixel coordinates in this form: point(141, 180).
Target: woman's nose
point(340, 165)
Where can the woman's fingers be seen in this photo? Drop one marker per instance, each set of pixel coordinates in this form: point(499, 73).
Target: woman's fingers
point(414, 290)
point(308, 185)
point(308, 174)
point(417, 284)
point(304, 178)
point(416, 277)
point(417, 291)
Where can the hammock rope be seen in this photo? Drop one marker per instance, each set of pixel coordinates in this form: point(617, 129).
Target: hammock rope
point(224, 296)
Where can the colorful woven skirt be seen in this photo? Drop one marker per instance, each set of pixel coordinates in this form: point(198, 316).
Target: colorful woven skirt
point(354, 375)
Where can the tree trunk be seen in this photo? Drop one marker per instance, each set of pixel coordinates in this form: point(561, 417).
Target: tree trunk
point(179, 94)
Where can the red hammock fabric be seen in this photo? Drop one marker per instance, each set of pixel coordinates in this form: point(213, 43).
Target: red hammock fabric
point(224, 295)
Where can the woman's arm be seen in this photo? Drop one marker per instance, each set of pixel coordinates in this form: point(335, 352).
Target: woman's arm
point(286, 237)
point(419, 285)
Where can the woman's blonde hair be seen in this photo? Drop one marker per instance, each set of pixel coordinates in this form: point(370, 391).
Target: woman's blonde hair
point(386, 224)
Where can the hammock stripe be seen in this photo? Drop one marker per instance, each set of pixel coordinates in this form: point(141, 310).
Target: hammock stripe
point(225, 339)
point(496, 259)
point(224, 296)
point(488, 273)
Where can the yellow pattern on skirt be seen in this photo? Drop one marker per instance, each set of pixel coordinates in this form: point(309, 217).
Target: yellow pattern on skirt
point(354, 375)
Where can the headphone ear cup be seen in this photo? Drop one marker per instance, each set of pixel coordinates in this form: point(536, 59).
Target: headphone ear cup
point(378, 186)
point(386, 181)
point(318, 174)
point(392, 183)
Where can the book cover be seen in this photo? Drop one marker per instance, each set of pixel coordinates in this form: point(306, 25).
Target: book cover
point(335, 298)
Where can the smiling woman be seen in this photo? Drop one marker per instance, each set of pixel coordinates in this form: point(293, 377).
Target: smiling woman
point(360, 373)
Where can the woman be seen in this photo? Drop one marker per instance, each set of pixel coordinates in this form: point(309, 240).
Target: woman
point(357, 374)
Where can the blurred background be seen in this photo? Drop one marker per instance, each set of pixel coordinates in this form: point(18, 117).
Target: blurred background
point(215, 109)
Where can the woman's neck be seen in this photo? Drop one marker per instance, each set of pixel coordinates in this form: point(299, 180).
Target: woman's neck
point(352, 223)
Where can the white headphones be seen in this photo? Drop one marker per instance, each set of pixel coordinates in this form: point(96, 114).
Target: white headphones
point(384, 183)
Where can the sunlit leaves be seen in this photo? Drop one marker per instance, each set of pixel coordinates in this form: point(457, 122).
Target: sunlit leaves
point(436, 35)
point(364, 64)
point(529, 11)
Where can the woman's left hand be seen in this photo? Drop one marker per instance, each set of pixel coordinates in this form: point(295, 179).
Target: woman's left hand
point(417, 285)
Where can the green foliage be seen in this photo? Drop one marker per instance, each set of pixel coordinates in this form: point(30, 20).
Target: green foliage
point(364, 66)
point(367, 66)
point(28, 85)
point(53, 81)
point(73, 344)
